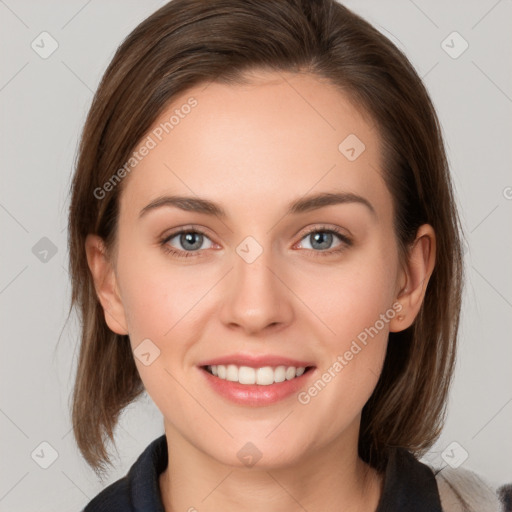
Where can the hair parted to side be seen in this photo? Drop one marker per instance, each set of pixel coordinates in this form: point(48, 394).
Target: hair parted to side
point(188, 42)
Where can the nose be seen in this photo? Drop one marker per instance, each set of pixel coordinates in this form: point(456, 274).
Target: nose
point(256, 298)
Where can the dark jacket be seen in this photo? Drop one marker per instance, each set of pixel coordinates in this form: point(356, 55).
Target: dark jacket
point(409, 486)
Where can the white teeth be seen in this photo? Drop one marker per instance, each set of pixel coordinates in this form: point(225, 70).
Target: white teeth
point(232, 373)
point(265, 375)
point(262, 376)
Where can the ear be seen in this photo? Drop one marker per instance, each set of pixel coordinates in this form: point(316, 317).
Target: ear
point(105, 283)
point(414, 278)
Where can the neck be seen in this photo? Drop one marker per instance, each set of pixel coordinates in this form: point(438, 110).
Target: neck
point(331, 478)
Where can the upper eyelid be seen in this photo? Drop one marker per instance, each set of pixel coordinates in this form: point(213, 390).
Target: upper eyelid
point(336, 230)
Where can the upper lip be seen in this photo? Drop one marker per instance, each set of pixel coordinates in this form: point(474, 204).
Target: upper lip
point(256, 361)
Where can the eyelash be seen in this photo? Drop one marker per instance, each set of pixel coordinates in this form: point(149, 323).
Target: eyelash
point(346, 242)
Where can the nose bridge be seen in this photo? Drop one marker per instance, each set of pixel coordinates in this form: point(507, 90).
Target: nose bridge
point(256, 297)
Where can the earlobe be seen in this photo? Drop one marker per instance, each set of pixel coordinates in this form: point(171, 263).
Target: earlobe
point(415, 277)
point(105, 284)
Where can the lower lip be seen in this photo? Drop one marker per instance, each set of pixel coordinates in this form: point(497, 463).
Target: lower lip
point(254, 394)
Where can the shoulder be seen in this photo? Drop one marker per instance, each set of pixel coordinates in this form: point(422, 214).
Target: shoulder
point(462, 490)
point(139, 488)
point(114, 498)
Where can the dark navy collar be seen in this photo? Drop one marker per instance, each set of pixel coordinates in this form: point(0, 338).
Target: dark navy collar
point(408, 485)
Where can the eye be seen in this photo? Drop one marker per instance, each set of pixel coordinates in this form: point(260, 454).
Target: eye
point(189, 241)
point(322, 238)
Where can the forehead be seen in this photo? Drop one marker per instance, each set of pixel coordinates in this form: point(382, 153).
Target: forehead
point(275, 138)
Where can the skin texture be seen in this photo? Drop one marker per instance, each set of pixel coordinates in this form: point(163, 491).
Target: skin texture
point(254, 149)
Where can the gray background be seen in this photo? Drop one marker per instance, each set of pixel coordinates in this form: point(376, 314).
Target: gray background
point(43, 106)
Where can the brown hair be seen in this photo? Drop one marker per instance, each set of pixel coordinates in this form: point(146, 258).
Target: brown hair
point(188, 42)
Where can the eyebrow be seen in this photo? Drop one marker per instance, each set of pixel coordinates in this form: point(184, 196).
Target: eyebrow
point(302, 205)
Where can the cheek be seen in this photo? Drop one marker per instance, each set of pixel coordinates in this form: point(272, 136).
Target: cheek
point(159, 302)
point(155, 295)
point(356, 305)
point(355, 293)
point(359, 322)
point(357, 314)
point(156, 292)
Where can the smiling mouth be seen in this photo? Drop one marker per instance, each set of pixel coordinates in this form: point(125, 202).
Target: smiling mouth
point(263, 376)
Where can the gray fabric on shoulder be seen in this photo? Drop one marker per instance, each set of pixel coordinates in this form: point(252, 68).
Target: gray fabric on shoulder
point(462, 490)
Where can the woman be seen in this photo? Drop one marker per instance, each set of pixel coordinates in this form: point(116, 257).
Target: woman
point(310, 328)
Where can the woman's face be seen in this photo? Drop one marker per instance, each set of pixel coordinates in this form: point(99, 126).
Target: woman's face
point(255, 283)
